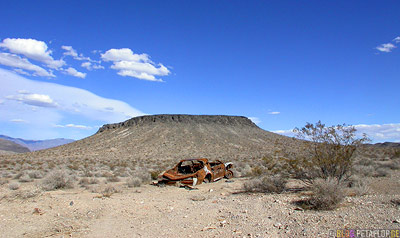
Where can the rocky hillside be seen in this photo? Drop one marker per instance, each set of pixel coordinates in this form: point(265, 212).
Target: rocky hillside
point(7, 147)
point(160, 137)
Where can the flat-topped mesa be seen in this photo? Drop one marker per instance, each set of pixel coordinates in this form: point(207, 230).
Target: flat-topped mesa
point(182, 119)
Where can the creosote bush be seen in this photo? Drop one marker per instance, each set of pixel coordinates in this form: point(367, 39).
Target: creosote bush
point(327, 152)
point(134, 182)
point(327, 194)
point(56, 180)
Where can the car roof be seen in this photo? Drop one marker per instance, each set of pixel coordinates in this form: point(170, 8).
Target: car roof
point(202, 159)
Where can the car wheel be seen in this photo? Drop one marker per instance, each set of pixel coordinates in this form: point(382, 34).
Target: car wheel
point(228, 174)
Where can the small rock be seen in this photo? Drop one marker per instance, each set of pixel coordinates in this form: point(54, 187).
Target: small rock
point(71, 203)
point(211, 190)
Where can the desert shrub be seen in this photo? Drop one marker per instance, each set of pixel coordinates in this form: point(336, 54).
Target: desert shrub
point(363, 170)
point(154, 174)
point(13, 186)
point(360, 188)
point(109, 190)
point(87, 181)
point(25, 178)
point(266, 184)
point(35, 174)
point(133, 182)
point(327, 195)
point(18, 175)
point(144, 175)
point(393, 165)
point(381, 172)
point(56, 180)
point(359, 185)
point(113, 179)
point(327, 152)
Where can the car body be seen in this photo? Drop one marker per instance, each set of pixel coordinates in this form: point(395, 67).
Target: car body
point(196, 171)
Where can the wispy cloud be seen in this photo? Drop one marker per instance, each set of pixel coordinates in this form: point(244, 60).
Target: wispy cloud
point(388, 47)
point(19, 63)
point(19, 121)
point(32, 49)
point(397, 39)
point(73, 72)
point(134, 65)
point(74, 126)
point(89, 66)
point(39, 100)
point(274, 113)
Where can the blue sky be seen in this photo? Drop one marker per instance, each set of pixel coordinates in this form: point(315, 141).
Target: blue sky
point(68, 67)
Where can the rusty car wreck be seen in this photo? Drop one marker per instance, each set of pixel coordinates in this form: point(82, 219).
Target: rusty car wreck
point(193, 172)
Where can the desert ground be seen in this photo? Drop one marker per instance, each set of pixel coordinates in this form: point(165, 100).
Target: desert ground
point(220, 209)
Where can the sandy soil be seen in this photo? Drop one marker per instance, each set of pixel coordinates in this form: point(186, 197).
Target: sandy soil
point(213, 210)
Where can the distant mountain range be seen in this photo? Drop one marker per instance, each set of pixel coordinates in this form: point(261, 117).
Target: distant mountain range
point(34, 145)
point(9, 147)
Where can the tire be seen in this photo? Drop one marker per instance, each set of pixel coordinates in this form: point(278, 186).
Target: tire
point(228, 174)
point(207, 179)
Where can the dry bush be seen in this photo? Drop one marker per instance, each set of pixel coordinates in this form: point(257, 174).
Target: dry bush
point(6, 174)
point(56, 180)
point(393, 165)
point(134, 182)
point(143, 174)
point(113, 179)
point(327, 195)
point(35, 174)
point(266, 184)
point(358, 185)
point(109, 190)
point(13, 186)
point(381, 172)
point(25, 178)
point(363, 170)
point(87, 181)
point(154, 174)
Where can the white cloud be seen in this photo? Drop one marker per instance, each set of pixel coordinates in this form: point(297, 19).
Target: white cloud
point(285, 132)
point(90, 66)
point(388, 47)
point(134, 65)
point(40, 100)
point(124, 54)
point(274, 113)
point(255, 120)
point(20, 71)
point(54, 104)
point(376, 132)
point(397, 39)
point(74, 126)
point(380, 132)
point(19, 121)
point(15, 61)
point(73, 72)
point(32, 49)
point(72, 52)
